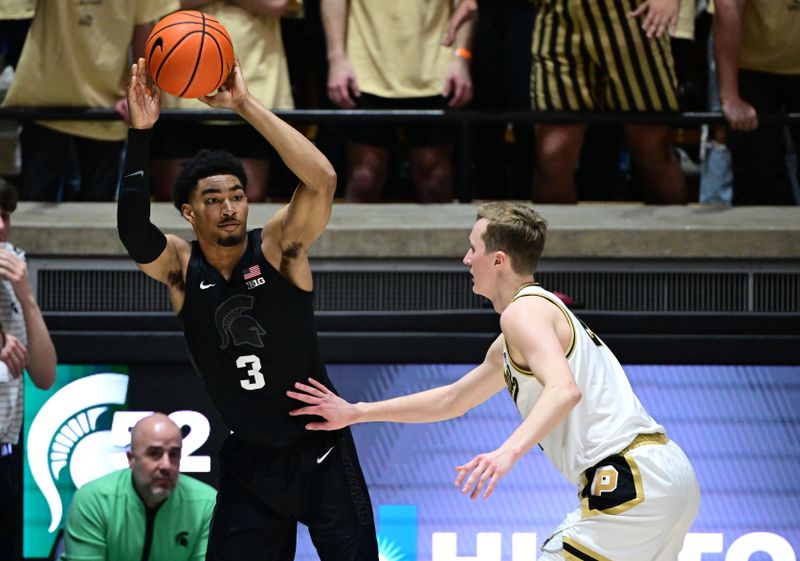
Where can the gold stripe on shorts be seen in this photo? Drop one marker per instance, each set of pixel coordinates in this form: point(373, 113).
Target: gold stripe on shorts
point(574, 551)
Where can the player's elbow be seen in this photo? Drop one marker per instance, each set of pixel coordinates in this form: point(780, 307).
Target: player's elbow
point(327, 181)
point(572, 394)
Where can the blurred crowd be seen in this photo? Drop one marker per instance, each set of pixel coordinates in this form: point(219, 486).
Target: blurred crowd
point(570, 57)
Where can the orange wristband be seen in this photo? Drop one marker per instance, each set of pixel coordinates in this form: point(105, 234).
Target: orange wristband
point(463, 52)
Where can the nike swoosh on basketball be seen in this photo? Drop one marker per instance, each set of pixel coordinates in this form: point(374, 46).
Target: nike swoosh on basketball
point(325, 455)
point(134, 174)
point(203, 285)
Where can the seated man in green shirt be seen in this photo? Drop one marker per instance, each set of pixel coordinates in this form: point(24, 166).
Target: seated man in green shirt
point(145, 512)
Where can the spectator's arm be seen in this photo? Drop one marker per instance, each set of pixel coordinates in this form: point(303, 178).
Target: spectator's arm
point(465, 33)
point(727, 41)
point(41, 352)
point(658, 16)
point(193, 4)
point(39, 355)
point(342, 82)
point(334, 21)
point(274, 8)
point(140, 34)
point(458, 82)
point(466, 11)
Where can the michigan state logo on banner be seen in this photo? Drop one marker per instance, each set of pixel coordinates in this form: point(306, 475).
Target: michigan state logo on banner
point(66, 437)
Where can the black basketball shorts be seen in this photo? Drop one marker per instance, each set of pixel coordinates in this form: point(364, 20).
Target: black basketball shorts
point(265, 492)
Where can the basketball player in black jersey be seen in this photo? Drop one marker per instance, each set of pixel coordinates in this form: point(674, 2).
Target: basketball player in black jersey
point(245, 303)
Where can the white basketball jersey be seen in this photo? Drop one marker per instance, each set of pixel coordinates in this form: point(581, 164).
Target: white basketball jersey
point(608, 416)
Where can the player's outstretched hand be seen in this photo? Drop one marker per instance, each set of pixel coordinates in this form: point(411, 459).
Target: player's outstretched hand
point(231, 93)
point(484, 471)
point(324, 403)
point(144, 100)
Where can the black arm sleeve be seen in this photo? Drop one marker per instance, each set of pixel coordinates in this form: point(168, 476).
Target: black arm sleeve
point(143, 240)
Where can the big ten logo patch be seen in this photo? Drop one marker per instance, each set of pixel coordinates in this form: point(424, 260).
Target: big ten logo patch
point(251, 284)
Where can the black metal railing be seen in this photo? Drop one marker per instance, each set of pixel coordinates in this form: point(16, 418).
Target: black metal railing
point(466, 119)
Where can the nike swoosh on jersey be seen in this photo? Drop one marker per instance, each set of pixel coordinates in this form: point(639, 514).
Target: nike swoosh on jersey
point(203, 285)
point(134, 174)
point(325, 455)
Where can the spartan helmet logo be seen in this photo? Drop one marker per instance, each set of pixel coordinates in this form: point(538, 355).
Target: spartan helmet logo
point(65, 433)
point(233, 322)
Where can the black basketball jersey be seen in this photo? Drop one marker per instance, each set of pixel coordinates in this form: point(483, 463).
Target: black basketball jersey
point(251, 338)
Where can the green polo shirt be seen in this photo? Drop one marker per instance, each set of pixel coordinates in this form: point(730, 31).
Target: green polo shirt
point(108, 521)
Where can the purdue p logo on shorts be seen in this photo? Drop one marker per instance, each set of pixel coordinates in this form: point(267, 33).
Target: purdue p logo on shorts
point(604, 481)
point(612, 486)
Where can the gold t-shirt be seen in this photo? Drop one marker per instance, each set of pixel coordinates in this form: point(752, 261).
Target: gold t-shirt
point(76, 55)
point(395, 46)
point(258, 44)
point(17, 9)
point(686, 14)
point(771, 36)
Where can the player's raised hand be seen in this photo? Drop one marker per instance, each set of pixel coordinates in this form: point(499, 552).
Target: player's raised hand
point(144, 99)
point(324, 403)
point(231, 93)
point(484, 471)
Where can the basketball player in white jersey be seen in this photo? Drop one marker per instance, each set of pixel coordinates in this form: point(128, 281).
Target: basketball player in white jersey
point(638, 491)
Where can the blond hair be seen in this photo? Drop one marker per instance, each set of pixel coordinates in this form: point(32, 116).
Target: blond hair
point(516, 229)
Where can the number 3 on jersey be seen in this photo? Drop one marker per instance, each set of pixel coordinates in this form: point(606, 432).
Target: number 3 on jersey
point(255, 379)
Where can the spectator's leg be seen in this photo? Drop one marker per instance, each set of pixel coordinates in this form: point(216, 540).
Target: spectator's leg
point(13, 32)
point(100, 165)
point(793, 160)
point(557, 151)
point(516, 61)
point(10, 507)
point(44, 154)
point(367, 172)
point(257, 179)
point(165, 171)
point(657, 164)
point(759, 162)
point(792, 105)
point(716, 176)
point(432, 174)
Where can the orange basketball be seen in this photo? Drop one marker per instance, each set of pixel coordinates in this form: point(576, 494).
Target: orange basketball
point(189, 54)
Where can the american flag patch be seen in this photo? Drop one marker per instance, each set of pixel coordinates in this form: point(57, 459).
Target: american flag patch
point(253, 271)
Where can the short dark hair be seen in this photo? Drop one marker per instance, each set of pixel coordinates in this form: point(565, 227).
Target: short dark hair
point(8, 196)
point(205, 164)
point(516, 229)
